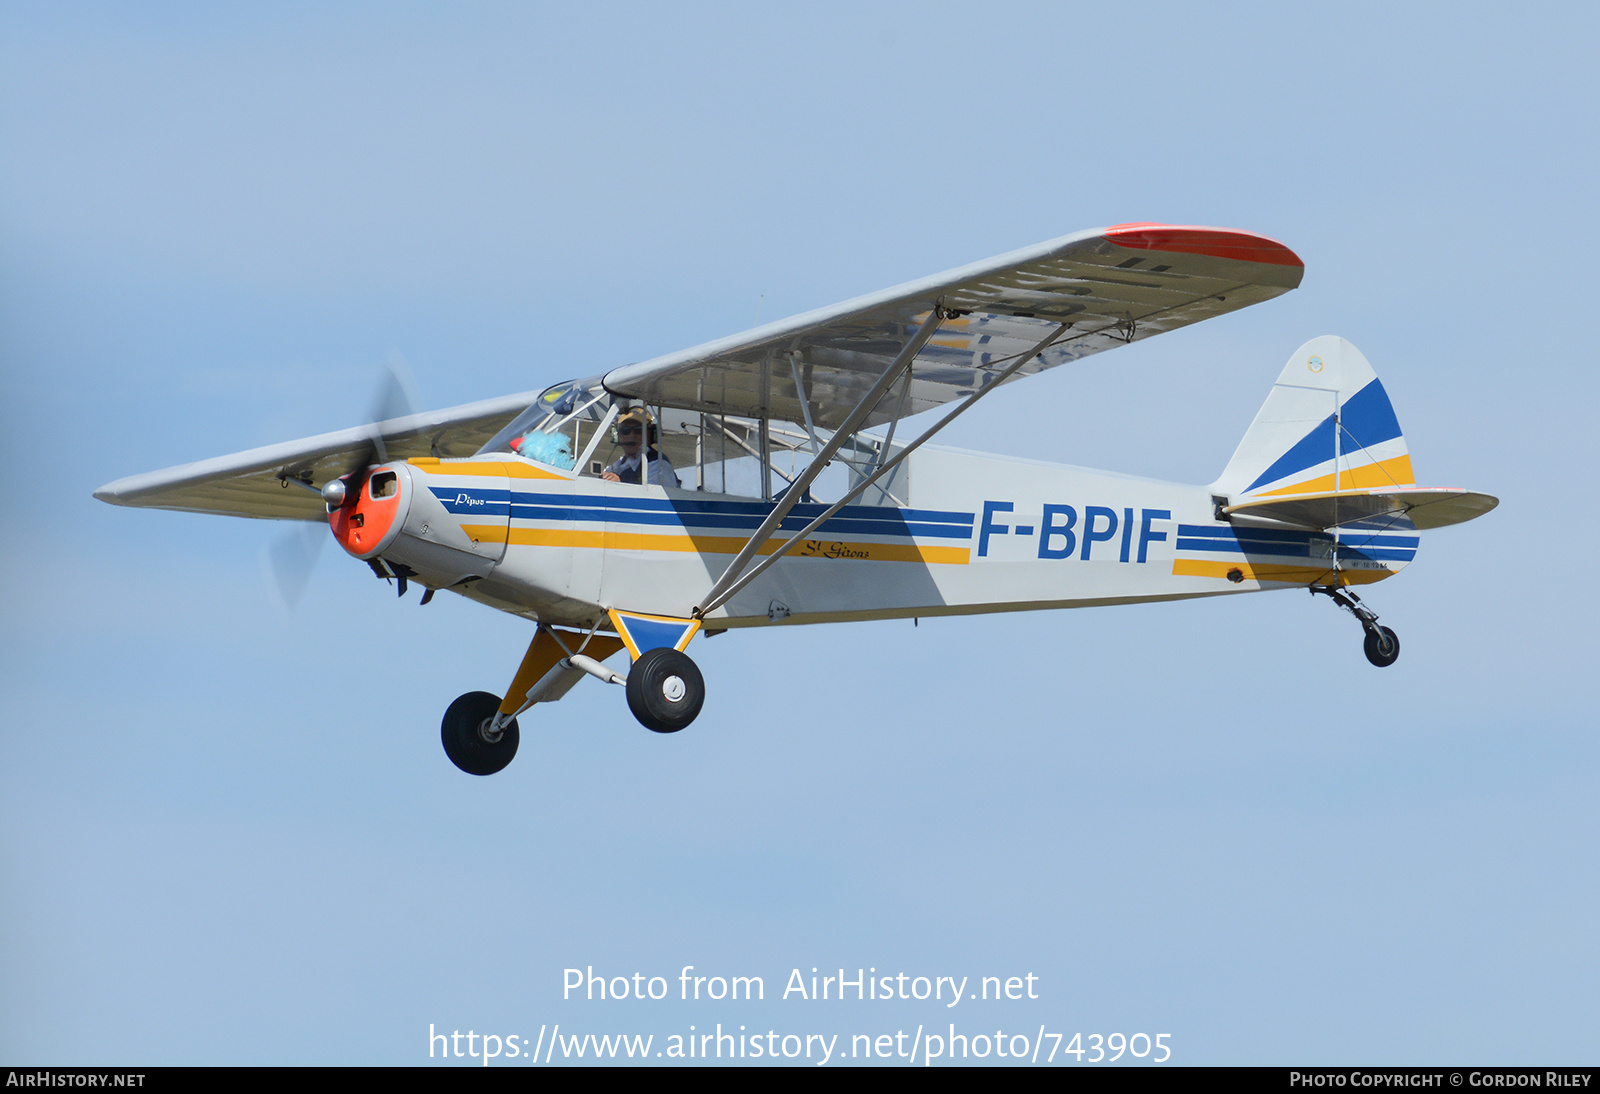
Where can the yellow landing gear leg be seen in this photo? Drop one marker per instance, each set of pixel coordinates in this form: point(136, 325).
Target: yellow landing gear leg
point(548, 653)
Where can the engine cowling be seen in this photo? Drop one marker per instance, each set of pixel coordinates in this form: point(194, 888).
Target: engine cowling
point(393, 512)
point(374, 510)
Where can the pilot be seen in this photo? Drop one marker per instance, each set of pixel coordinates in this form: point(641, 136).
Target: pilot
point(630, 435)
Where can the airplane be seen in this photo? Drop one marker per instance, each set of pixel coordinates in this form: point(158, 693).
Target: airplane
point(769, 486)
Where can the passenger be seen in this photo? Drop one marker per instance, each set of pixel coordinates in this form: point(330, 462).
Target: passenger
point(554, 449)
point(630, 435)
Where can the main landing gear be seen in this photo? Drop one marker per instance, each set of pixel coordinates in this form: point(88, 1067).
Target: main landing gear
point(1381, 645)
point(665, 690)
point(664, 687)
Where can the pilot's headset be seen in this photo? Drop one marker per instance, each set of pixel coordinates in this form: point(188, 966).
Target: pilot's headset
point(641, 417)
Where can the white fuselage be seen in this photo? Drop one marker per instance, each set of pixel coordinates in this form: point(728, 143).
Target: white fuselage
point(981, 533)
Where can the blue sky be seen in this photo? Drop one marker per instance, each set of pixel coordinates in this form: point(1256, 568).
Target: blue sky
point(228, 833)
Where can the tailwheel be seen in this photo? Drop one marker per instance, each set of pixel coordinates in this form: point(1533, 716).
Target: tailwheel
point(471, 738)
point(1382, 646)
point(665, 690)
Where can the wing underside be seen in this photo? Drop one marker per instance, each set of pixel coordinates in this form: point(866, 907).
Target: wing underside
point(1114, 286)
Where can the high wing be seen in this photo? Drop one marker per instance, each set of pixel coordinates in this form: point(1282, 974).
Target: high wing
point(1113, 285)
point(256, 483)
point(1096, 289)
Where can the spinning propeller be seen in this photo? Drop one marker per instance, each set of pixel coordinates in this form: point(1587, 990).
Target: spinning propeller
point(294, 555)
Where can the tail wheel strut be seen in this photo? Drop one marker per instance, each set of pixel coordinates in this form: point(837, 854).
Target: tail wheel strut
point(1380, 644)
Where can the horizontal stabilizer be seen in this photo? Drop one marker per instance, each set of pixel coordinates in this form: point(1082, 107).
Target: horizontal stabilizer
point(1424, 507)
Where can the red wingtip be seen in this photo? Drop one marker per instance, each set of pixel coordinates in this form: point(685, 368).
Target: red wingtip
point(1214, 242)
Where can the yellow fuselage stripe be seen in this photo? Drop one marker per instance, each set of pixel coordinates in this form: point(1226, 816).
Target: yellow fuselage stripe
point(486, 469)
point(1273, 571)
point(713, 545)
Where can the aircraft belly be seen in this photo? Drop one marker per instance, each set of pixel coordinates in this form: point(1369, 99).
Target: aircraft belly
point(541, 579)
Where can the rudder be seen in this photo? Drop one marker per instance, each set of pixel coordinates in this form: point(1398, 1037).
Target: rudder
point(1327, 425)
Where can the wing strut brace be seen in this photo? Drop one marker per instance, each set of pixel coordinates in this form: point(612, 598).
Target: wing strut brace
point(730, 583)
point(725, 586)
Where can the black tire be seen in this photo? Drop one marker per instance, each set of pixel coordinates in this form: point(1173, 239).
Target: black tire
point(665, 690)
point(1382, 649)
point(463, 742)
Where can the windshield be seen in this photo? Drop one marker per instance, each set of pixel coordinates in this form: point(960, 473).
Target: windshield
point(554, 428)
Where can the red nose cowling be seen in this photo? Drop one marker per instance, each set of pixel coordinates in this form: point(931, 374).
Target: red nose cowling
point(363, 521)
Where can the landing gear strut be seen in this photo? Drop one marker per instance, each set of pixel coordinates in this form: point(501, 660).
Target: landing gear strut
point(469, 738)
point(665, 692)
point(1381, 645)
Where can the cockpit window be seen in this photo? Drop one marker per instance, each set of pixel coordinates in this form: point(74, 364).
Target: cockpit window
point(707, 452)
point(554, 429)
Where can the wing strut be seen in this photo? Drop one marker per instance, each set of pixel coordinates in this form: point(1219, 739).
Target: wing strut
point(797, 490)
point(720, 596)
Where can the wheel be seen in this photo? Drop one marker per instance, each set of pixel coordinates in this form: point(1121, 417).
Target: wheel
point(1382, 647)
point(464, 743)
point(665, 690)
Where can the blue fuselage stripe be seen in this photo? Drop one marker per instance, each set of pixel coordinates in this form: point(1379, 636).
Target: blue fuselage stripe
point(1289, 544)
point(692, 515)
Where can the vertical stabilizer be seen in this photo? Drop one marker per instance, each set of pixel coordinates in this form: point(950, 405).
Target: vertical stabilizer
point(1326, 426)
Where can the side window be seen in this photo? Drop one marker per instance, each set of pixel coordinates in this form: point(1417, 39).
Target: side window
point(719, 454)
point(578, 425)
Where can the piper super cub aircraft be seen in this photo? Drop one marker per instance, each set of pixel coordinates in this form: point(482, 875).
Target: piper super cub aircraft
point(714, 523)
